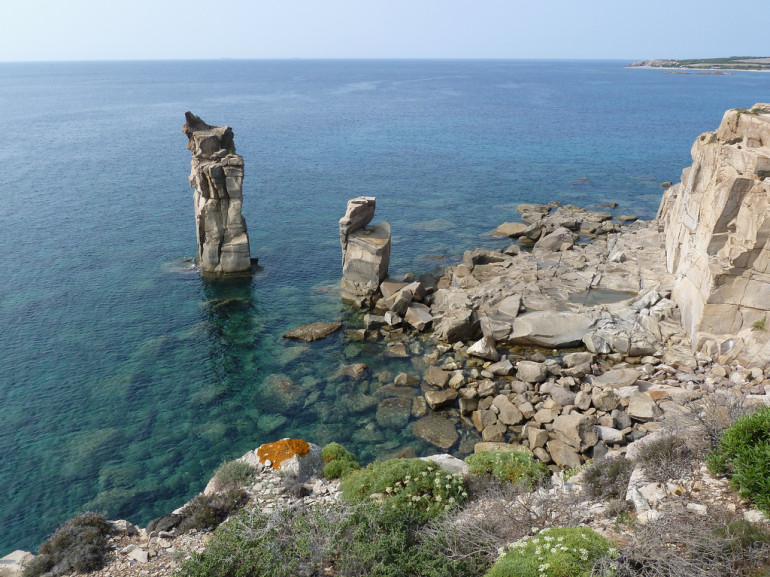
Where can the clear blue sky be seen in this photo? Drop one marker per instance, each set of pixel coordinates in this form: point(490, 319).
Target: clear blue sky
point(182, 29)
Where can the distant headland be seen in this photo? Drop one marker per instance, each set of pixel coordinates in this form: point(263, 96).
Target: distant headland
point(730, 63)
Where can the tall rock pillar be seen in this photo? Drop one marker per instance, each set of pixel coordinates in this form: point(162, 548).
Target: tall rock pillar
point(365, 251)
point(217, 176)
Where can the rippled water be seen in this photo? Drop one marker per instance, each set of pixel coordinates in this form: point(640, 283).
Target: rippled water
point(127, 378)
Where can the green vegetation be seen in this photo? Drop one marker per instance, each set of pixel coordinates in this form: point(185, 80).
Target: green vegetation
point(511, 466)
point(339, 461)
point(744, 456)
point(346, 541)
point(759, 325)
point(725, 63)
point(560, 552)
point(79, 545)
point(234, 475)
point(413, 486)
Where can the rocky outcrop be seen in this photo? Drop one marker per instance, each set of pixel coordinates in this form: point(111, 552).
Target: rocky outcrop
point(365, 251)
point(717, 234)
point(217, 176)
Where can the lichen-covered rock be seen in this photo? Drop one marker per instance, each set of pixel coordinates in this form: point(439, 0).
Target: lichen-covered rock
point(293, 457)
point(217, 176)
point(717, 229)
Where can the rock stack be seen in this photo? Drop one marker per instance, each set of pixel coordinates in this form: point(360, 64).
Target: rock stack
point(217, 176)
point(365, 251)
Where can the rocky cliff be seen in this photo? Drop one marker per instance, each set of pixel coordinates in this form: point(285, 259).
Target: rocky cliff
point(217, 176)
point(717, 235)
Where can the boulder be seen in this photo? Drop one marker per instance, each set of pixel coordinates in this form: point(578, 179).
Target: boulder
point(501, 368)
point(442, 398)
point(394, 412)
point(565, 456)
point(216, 175)
point(615, 378)
point(551, 329)
point(509, 307)
point(604, 399)
point(576, 430)
point(295, 457)
point(12, 565)
point(575, 359)
point(436, 430)
point(641, 407)
point(508, 413)
point(313, 331)
point(485, 349)
point(365, 261)
point(531, 372)
point(436, 376)
point(418, 316)
point(556, 241)
point(494, 433)
point(281, 394)
point(510, 229)
point(449, 464)
point(458, 325)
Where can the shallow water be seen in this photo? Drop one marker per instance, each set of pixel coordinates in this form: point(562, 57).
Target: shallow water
point(128, 378)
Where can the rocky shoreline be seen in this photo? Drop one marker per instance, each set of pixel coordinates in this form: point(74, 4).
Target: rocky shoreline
point(569, 344)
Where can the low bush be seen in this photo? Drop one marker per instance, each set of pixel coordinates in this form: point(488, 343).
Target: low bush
point(208, 511)
point(234, 475)
point(607, 478)
point(666, 458)
point(79, 545)
point(346, 541)
point(411, 485)
point(556, 552)
point(681, 544)
point(511, 466)
point(744, 456)
point(339, 461)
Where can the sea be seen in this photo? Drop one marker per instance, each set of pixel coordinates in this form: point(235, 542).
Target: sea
point(127, 378)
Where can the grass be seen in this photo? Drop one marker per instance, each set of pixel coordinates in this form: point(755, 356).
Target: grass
point(759, 325)
point(510, 466)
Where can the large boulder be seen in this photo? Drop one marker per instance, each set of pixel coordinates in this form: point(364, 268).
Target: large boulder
point(436, 430)
point(294, 457)
point(576, 430)
point(551, 329)
point(313, 331)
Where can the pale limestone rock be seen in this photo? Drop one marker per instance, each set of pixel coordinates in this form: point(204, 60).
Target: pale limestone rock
point(484, 349)
point(576, 430)
point(531, 372)
point(12, 565)
point(217, 176)
point(717, 228)
point(510, 229)
point(552, 329)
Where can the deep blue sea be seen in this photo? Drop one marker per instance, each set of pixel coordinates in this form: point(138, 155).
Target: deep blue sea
point(127, 379)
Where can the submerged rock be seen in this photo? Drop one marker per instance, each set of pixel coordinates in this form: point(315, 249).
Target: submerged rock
point(313, 331)
point(436, 430)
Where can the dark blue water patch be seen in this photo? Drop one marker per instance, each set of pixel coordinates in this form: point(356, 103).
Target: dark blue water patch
point(127, 380)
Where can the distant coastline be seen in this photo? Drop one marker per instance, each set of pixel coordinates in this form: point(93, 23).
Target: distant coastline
point(728, 64)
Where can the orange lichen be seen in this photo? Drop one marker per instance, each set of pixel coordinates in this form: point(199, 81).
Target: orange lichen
point(282, 450)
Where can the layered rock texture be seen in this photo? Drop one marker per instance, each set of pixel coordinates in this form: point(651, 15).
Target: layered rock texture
point(717, 235)
point(217, 177)
point(365, 251)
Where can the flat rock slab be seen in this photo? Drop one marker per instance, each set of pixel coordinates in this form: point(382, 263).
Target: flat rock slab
point(313, 331)
point(550, 329)
point(436, 430)
point(616, 378)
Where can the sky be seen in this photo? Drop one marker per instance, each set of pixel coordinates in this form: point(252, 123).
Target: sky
point(52, 30)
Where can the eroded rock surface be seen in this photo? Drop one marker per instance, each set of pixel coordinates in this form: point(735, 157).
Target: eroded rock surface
point(217, 176)
point(365, 251)
point(717, 231)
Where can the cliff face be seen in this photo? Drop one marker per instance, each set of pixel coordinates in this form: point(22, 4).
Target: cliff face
point(217, 176)
point(717, 232)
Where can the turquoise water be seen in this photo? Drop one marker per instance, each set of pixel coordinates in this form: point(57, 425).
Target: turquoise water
point(127, 379)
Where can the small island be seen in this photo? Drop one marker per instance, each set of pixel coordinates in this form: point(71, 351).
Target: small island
point(730, 63)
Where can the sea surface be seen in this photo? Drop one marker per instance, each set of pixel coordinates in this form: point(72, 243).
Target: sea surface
point(127, 378)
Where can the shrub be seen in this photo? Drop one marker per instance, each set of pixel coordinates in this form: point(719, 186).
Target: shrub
point(339, 461)
point(512, 466)
point(78, 545)
point(712, 415)
point(608, 478)
point(666, 458)
point(234, 475)
point(744, 456)
point(557, 552)
point(413, 485)
point(679, 544)
point(208, 511)
point(345, 540)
